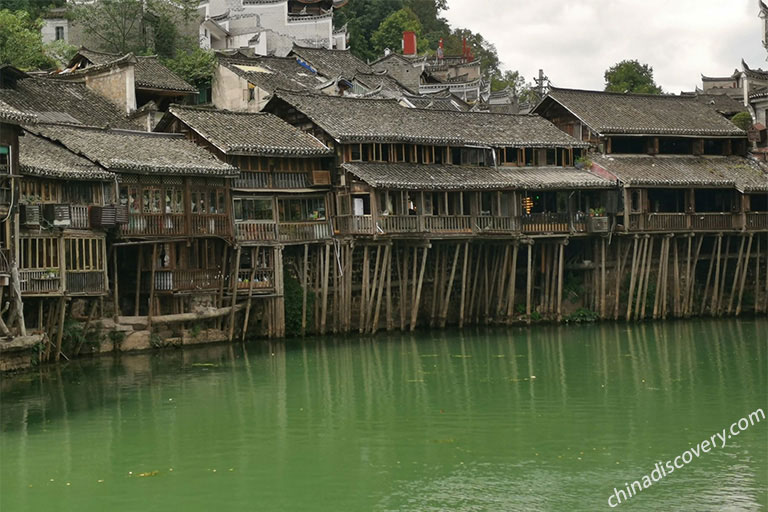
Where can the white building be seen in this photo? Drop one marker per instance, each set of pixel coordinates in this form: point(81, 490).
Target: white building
point(270, 27)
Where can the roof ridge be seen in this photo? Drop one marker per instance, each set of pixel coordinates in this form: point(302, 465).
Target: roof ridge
point(622, 94)
point(102, 129)
point(215, 110)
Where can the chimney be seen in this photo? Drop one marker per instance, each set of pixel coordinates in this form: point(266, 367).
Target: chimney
point(409, 43)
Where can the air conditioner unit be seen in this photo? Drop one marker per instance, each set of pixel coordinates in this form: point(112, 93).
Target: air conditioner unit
point(103, 216)
point(30, 215)
point(57, 214)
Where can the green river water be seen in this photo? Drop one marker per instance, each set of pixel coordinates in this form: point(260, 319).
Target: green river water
point(547, 418)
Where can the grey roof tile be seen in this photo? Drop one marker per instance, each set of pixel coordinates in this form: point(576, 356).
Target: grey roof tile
point(373, 120)
point(137, 152)
point(646, 114)
point(459, 177)
point(253, 133)
point(41, 157)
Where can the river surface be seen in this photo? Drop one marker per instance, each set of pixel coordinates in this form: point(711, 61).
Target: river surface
point(551, 418)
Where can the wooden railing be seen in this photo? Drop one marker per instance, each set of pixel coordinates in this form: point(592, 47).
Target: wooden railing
point(155, 224)
point(184, 280)
point(85, 281)
point(303, 231)
point(713, 221)
point(353, 224)
point(398, 224)
point(757, 220)
point(211, 224)
point(272, 180)
point(486, 224)
point(263, 278)
point(256, 231)
point(667, 222)
point(448, 223)
point(546, 223)
point(39, 281)
point(79, 216)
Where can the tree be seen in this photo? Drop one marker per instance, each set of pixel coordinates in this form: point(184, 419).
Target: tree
point(521, 89)
point(631, 76)
point(362, 18)
point(481, 49)
point(21, 43)
point(743, 120)
point(390, 32)
point(196, 67)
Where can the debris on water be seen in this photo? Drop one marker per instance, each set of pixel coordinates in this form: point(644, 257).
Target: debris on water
point(429, 355)
point(204, 365)
point(99, 481)
point(149, 473)
point(415, 380)
point(461, 356)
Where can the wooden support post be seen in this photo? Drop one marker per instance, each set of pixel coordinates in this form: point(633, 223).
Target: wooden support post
point(449, 288)
point(560, 277)
point(304, 285)
point(659, 279)
point(676, 278)
point(324, 303)
point(745, 267)
point(364, 289)
point(512, 283)
point(138, 281)
point(415, 306)
point(248, 302)
point(632, 280)
point(603, 304)
point(463, 284)
point(721, 286)
point(220, 295)
point(757, 277)
point(374, 287)
point(649, 265)
point(712, 264)
point(736, 276)
point(60, 333)
point(115, 295)
point(390, 325)
point(152, 287)
point(382, 283)
point(502, 280)
point(665, 276)
point(233, 278)
point(529, 283)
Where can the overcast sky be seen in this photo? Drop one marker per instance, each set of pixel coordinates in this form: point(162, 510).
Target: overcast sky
point(575, 41)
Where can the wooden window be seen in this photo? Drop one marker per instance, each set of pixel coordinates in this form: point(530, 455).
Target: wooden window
point(39, 253)
point(256, 208)
point(302, 209)
point(5, 159)
point(84, 253)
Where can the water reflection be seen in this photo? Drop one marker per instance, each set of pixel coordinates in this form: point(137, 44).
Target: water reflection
point(498, 419)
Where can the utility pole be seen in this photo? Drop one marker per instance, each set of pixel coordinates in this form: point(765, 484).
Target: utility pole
point(542, 84)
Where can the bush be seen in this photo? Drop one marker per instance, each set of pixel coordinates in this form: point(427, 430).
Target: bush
point(743, 120)
point(582, 315)
point(293, 300)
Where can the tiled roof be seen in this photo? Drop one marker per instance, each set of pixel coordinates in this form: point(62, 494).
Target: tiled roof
point(443, 100)
point(254, 133)
point(137, 152)
point(59, 101)
point(150, 73)
point(272, 73)
point(332, 63)
point(9, 114)
point(370, 120)
point(742, 173)
point(721, 103)
point(41, 157)
point(459, 177)
point(645, 114)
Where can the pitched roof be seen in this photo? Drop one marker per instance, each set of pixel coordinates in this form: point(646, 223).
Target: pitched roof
point(332, 63)
point(149, 73)
point(252, 133)
point(59, 101)
point(41, 157)
point(459, 177)
point(373, 120)
point(137, 152)
point(8, 114)
point(272, 73)
point(745, 174)
point(441, 100)
point(642, 114)
point(721, 103)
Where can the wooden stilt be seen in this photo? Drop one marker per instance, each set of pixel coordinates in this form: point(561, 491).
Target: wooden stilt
point(676, 278)
point(721, 288)
point(364, 293)
point(247, 315)
point(390, 324)
point(736, 276)
point(304, 271)
point(560, 276)
point(757, 277)
point(60, 333)
point(152, 287)
point(463, 284)
point(382, 282)
point(529, 284)
point(324, 304)
point(233, 290)
point(603, 304)
point(713, 262)
point(415, 306)
point(449, 287)
point(138, 281)
point(745, 267)
point(512, 283)
point(632, 281)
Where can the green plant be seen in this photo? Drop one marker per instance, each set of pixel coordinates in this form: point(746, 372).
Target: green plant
point(582, 315)
point(535, 316)
point(116, 337)
point(584, 162)
point(293, 306)
point(597, 212)
point(195, 330)
point(743, 120)
point(156, 340)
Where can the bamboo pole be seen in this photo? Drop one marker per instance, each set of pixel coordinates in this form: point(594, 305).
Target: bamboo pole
point(415, 307)
point(744, 275)
point(463, 284)
point(324, 307)
point(233, 277)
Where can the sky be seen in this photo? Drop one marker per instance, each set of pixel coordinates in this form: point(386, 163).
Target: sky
point(575, 41)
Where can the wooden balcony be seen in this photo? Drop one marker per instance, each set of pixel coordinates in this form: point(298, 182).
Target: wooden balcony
point(184, 280)
point(393, 224)
point(549, 223)
point(85, 282)
point(79, 216)
point(265, 231)
point(714, 221)
point(448, 224)
point(250, 180)
point(40, 281)
point(163, 224)
point(669, 222)
point(757, 221)
point(263, 281)
point(497, 225)
point(353, 225)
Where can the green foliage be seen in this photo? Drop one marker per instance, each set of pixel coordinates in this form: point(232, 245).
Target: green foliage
point(74, 338)
point(743, 120)
point(35, 8)
point(21, 43)
point(584, 162)
point(390, 32)
point(156, 340)
point(195, 330)
point(631, 76)
point(196, 66)
point(293, 305)
point(117, 25)
point(60, 52)
point(582, 315)
point(117, 338)
point(362, 18)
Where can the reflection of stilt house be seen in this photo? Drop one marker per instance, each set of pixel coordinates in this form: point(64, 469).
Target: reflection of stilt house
point(279, 199)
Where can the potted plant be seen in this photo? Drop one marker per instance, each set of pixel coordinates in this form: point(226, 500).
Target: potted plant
point(598, 221)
